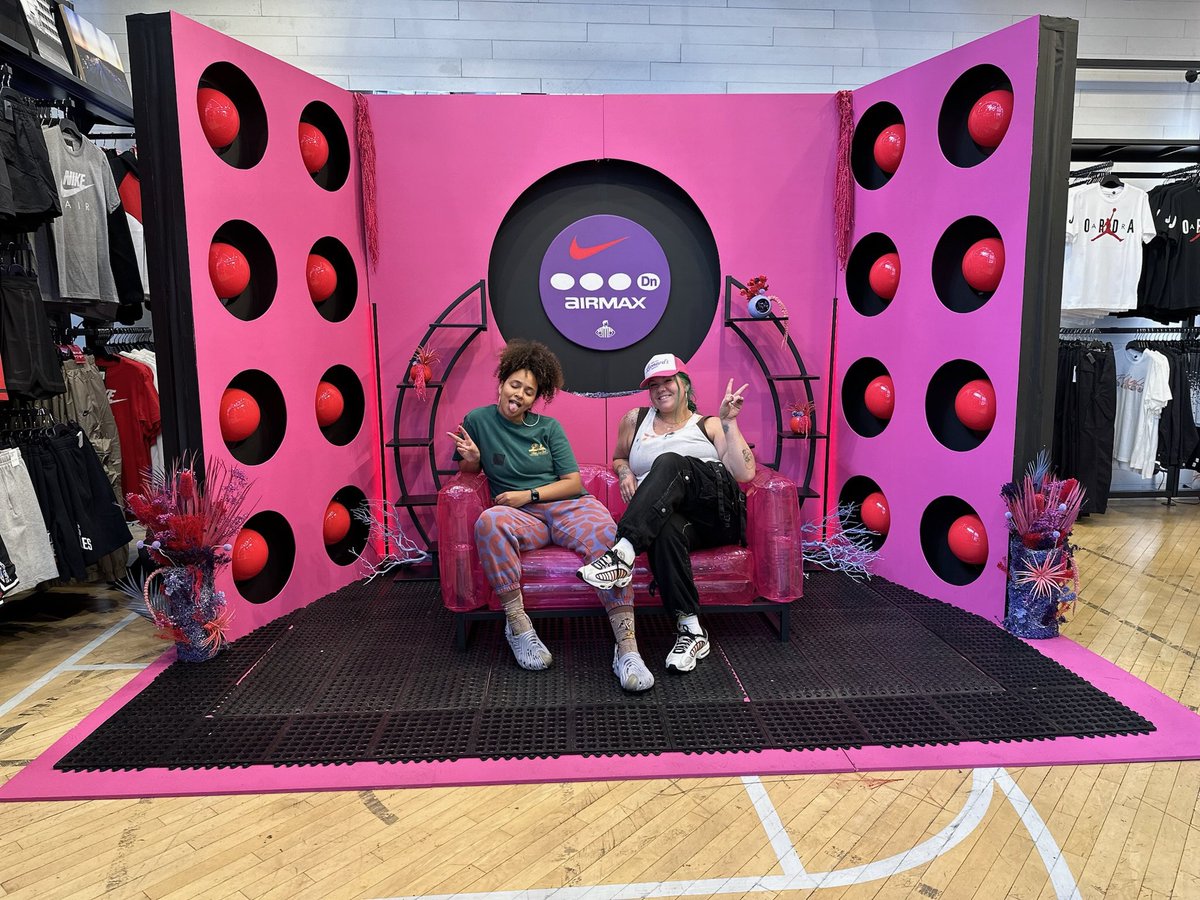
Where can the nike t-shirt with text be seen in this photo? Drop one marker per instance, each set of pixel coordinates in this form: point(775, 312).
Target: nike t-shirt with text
point(88, 194)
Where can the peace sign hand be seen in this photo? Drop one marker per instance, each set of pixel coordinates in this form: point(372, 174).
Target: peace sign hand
point(464, 444)
point(732, 404)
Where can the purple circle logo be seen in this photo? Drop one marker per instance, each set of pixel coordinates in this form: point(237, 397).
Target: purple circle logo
point(604, 282)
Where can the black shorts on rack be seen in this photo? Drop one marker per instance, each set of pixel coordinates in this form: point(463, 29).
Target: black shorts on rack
point(101, 521)
point(31, 366)
point(58, 509)
point(34, 192)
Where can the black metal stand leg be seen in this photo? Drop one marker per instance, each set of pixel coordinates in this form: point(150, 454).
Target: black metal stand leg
point(785, 622)
point(462, 631)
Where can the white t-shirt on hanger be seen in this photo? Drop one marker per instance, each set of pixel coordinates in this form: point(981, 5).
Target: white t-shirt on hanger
point(1106, 229)
point(1143, 390)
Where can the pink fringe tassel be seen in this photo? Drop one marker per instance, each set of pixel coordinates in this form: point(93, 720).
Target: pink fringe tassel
point(365, 136)
point(843, 198)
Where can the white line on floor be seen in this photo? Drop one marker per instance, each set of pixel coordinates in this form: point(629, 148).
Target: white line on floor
point(962, 825)
point(64, 666)
point(1052, 856)
point(108, 667)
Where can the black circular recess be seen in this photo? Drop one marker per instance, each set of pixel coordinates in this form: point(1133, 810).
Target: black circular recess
point(865, 254)
point(605, 187)
point(862, 149)
point(256, 299)
point(346, 428)
point(348, 549)
point(251, 141)
point(943, 389)
point(854, 386)
point(935, 544)
point(281, 557)
point(949, 283)
point(957, 145)
point(261, 445)
point(338, 305)
point(857, 489)
point(332, 175)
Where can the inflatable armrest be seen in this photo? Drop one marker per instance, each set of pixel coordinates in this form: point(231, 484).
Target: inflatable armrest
point(773, 535)
point(460, 502)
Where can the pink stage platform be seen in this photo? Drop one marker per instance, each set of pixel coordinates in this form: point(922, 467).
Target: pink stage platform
point(1177, 737)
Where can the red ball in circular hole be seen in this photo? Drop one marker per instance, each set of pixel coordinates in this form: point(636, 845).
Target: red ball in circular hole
point(983, 264)
point(876, 514)
point(337, 522)
point(975, 404)
point(219, 118)
point(250, 554)
point(968, 540)
point(989, 118)
point(228, 269)
point(330, 404)
point(240, 415)
point(322, 278)
point(880, 397)
point(889, 148)
point(314, 148)
point(884, 276)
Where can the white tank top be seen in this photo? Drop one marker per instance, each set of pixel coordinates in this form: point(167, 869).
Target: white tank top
point(689, 440)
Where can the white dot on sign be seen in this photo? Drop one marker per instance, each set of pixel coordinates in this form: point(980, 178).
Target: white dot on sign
point(561, 281)
point(619, 282)
point(591, 281)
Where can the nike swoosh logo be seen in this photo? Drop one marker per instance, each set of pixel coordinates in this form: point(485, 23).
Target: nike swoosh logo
point(578, 252)
point(71, 192)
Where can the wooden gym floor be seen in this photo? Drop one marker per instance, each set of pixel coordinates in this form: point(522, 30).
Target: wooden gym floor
point(1090, 831)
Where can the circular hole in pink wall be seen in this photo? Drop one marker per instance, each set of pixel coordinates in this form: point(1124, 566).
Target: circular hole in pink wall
point(344, 512)
point(877, 149)
point(874, 266)
point(960, 405)
point(332, 279)
point(281, 557)
point(241, 270)
point(954, 541)
point(231, 113)
point(968, 264)
point(322, 136)
point(975, 115)
point(339, 404)
point(253, 417)
point(869, 508)
point(868, 396)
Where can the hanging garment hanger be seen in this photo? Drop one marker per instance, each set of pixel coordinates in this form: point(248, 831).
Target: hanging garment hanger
point(1110, 180)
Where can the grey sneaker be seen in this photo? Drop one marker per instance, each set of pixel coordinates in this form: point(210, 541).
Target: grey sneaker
point(609, 571)
point(688, 649)
point(529, 650)
point(631, 671)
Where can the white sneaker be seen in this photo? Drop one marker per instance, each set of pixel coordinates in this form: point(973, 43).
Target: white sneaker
point(687, 650)
point(608, 571)
point(529, 650)
point(631, 671)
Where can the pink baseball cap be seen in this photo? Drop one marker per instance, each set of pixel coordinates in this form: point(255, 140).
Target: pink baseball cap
point(663, 365)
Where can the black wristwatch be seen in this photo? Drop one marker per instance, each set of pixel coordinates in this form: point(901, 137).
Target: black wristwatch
point(534, 496)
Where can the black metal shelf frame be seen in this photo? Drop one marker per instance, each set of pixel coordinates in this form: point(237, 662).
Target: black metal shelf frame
point(804, 490)
point(399, 442)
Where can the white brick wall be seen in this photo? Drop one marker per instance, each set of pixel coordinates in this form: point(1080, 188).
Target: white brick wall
point(709, 46)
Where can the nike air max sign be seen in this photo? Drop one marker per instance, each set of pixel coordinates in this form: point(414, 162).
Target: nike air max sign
point(604, 282)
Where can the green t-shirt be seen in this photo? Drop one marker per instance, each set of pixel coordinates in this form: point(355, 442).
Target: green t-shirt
point(519, 457)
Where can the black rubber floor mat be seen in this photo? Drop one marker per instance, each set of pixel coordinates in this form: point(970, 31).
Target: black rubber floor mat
point(371, 673)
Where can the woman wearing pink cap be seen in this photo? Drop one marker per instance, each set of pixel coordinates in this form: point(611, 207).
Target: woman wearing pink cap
point(678, 472)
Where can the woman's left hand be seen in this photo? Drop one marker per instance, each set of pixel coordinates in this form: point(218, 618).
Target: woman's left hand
point(512, 499)
point(732, 404)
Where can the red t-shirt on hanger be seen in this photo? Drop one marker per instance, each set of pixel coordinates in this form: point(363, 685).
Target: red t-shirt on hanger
point(134, 403)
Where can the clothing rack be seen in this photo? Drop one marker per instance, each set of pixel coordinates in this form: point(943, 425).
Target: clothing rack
point(1170, 490)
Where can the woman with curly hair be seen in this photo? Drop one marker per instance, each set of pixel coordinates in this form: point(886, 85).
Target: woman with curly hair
point(539, 500)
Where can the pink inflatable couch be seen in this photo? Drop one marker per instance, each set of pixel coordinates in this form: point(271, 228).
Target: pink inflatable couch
point(765, 575)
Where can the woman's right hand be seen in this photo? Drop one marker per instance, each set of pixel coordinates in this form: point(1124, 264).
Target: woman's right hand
point(465, 445)
point(628, 485)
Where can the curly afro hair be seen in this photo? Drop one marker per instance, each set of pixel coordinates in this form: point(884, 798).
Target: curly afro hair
point(539, 360)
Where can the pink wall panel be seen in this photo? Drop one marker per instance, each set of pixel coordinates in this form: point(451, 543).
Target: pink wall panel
point(767, 200)
point(291, 342)
point(916, 333)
